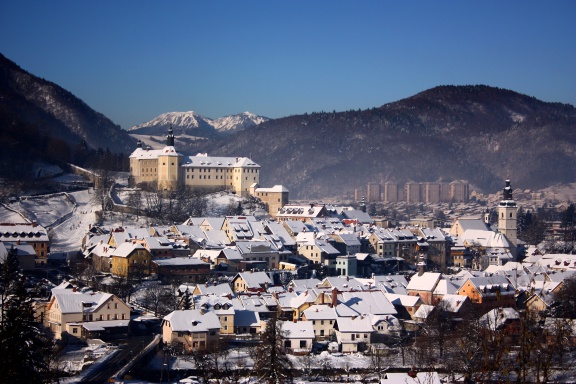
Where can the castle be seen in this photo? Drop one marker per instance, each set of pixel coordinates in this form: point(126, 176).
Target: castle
point(171, 170)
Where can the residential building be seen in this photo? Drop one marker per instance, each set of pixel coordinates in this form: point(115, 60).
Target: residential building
point(131, 260)
point(298, 337)
point(73, 315)
point(30, 233)
point(191, 330)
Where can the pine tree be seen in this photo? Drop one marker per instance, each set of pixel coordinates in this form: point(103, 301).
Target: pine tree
point(271, 364)
point(24, 345)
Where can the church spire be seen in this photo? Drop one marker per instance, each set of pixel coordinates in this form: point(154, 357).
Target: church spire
point(170, 137)
point(507, 191)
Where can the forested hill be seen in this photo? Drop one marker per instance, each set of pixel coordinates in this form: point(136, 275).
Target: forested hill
point(478, 133)
point(29, 100)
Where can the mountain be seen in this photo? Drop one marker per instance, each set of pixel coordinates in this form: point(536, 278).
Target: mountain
point(55, 112)
point(230, 124)
point(478, 133)
point(193, 125)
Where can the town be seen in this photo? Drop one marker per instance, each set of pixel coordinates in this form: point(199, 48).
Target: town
point(442, 296)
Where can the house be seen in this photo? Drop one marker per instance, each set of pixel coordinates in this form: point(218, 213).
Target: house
point(463, 224)
point(179, 270)
point(213, 289)
point(259, 250)
point(405, 305)
point(131, 260)
point(319, 252)
point(502, 320)
point(353, 333)
point(391, 284)
point(238, 228)
point(30, 233)
point(73, 315)
point(247, 323)
point(251, 282)
point(323, 319)
point(298, 337)
point(24, 253)
point(423, 285)
point(489, 291)
point(101, 256)
point(347, 243)
point(192, 329)
point(368, 303)
point(223, 308)
point(385, 326)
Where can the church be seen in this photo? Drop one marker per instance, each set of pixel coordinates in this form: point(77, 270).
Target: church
point(171, 170)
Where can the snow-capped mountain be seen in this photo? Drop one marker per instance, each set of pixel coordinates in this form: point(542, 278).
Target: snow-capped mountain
point(193, 124)
point(229, 124)
point(184, 123)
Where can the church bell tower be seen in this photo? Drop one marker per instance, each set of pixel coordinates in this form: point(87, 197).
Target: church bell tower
point(507, 221)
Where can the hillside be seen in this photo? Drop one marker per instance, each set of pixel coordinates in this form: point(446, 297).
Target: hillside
point(478, 133)
point(29, 100)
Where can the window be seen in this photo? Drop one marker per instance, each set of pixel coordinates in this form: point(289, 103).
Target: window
point(74, 330)
point(302, 343)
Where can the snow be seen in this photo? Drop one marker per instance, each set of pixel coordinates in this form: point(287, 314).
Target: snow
point(77, 211)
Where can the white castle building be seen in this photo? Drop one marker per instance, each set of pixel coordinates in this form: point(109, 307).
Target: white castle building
point(172, 170)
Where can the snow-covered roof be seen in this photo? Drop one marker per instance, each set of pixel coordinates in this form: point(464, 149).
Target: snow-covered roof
point(298, 330)
point(276, 188)
point(359, 324)
point(453, 303)
point(192, 320)
point(246, 318)
point(76, 302)
point(320, 312)
point(369, 302)
point(426, 282)
point(254, 279)
point(205, 161)
point(484, 238)
point(23, 232)
point(215, 289)
point(125, 249)
point(403, 300)
point(446, 287)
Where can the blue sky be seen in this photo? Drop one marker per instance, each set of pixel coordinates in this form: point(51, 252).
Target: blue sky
point(133, 60)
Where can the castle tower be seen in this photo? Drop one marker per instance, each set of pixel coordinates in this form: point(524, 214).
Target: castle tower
point(169, 162)
point(507, 221)
point(170, 137)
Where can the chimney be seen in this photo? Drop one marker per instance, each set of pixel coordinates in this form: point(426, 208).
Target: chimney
point(334, 297)
point(34, 224)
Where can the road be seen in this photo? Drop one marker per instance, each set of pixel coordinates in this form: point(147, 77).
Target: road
point(129, 350)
